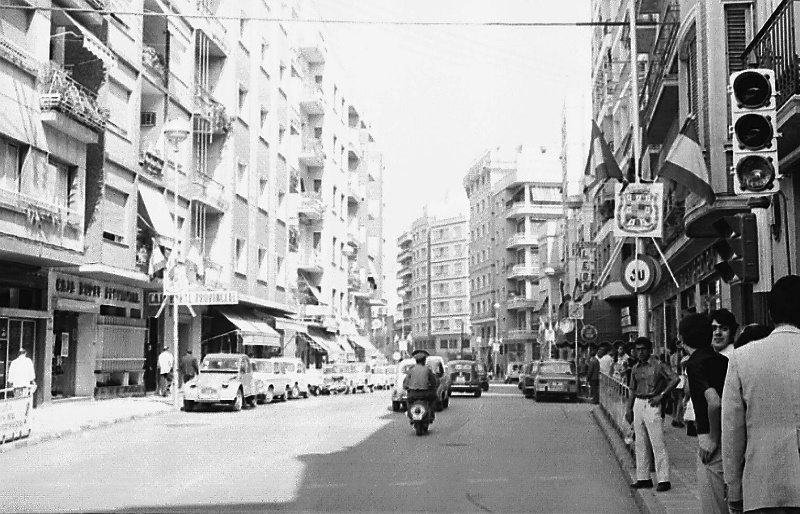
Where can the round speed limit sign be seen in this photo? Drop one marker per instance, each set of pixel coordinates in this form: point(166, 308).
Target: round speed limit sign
point(639, 273)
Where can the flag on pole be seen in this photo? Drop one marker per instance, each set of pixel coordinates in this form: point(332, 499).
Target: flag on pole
point(605, 165)
point(193, 257)
point(686, 166)
point(157, 260)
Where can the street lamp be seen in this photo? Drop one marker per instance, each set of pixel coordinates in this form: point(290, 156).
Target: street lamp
point(176, 131)
point(496, 332)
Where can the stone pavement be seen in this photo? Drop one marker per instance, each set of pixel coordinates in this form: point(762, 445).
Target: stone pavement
point(64, 417)
point(682, 451)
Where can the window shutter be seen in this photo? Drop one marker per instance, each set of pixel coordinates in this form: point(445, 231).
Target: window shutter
point(736, 33)
point(115, 217)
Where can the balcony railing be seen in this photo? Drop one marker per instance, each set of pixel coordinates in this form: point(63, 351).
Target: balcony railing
point(311, 206)
point(775, 47)
point(523, 270)
point(154, 62)
point(208, 191)
point(60, 92)
point(311, 262)
point(520, 302)
point(38, 210)
point(522, 240)
point(151, 161)
point(665, 41)
point(213, 117)
point(312, 153)
point(18, 57)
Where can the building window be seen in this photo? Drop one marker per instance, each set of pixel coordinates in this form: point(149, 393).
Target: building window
point(241, 179)
point(242, 103)
point(11, 159)
point(241, 256)
point(115, 215)
point(264, 120)
point(263, 271)
point(280, 274)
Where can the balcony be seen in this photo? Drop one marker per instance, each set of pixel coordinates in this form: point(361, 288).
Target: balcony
point(404, 255)
point(776, 47)
point(537, 210)
point(311, 153)
point(353, 240)
point(210, 117)
point(405, 271)
point(312, 47)
point(61, 93)
point(311, 262)
point(206, 190)
point(214, 28)
point(520, 334)
point(514, 302)
point(659, 86)
point(522, 239)
point(523, 271)
point(18, 57)
point(38, 210)
point(312, 101)
point(151, 162)
point(310, 207)
point(154, 63)
point(356, 192)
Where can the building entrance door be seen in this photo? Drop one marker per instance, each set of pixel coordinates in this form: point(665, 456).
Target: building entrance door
point(65, 329)
point(15, 334)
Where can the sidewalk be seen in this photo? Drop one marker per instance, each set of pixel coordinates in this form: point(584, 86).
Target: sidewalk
point(64, 417)
point(682, 451)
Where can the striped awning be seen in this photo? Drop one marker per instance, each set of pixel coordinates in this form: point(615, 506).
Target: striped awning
point(254, 331)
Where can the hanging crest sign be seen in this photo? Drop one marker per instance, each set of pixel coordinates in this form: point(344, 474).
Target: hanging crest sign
point(639, 210)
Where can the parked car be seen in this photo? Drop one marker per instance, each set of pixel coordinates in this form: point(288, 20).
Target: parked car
point(271, 381)
point(333, 379)
point(556, 378)
point(380, 378)
point(512, 373)
point(437, 364)
point(295, 371)
point(464, 377)
point(314, 380)
point(224, 378)
point(359, 374)
point(483, 376)
point(527, 379)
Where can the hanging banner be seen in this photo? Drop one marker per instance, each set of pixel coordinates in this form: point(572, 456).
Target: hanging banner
point(639, 210)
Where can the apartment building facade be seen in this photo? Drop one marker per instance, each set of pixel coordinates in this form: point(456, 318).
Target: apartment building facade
point(95, 195)
point(439, 298)
point(684, 65)
point(513, 193)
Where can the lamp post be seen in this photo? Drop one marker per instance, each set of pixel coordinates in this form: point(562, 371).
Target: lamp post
point(176, 131)
point(461, 341)
point(497, 341)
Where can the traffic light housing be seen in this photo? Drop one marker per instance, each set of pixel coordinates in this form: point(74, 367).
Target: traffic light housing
point(754, 131)
point(738, 248)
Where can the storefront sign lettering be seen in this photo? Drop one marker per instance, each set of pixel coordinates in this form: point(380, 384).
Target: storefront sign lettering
point(68, 286)
point(14, 418)
point(698, 269)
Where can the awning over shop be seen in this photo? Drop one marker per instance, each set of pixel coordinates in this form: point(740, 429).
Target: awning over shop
point(363, 342)
point(316, 343)
point(157, 213)
point(254, 331)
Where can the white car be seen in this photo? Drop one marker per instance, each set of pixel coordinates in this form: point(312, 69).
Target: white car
point(380, 377)
point(224, 378)
point(314, 379)
point(271, 381)
point(360, 375)
point(295, 371)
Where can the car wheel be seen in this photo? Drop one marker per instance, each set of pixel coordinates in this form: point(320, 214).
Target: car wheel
point(438, 405)
point(253, 401)
point(396, 406)
point(527, 394)
point(478, 393)
point(313, 390)
point(239, 401)
point(269, 396)
point(535, 396)
point(188, 405)
point(295, 392)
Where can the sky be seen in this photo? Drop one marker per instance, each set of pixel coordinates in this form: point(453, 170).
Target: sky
point(438, 96)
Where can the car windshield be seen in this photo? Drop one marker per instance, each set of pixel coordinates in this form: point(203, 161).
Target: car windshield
point(220, 364)
point(564, 368)
point(462, 366)
point(262, 366)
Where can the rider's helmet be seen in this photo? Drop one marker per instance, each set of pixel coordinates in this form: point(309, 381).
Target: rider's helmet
point(420, 356)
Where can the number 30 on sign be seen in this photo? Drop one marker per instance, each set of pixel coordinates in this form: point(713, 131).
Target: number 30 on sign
point(640, 273)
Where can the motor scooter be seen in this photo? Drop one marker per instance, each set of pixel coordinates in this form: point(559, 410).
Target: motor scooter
point(419, 412)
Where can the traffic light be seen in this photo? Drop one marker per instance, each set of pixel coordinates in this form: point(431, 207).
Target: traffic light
point(738, 248)
point(754, 131)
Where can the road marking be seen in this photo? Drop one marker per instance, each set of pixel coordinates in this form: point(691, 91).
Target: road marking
point(486, 480)
point(412, 484)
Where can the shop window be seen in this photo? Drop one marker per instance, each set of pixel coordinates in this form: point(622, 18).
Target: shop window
point(110, 310)
point(136, 314)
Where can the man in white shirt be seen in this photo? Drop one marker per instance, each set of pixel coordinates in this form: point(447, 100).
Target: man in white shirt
point(165, 362)
point(21, 373)
point(606, 361)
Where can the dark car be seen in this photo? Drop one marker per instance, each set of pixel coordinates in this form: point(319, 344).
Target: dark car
point(464, 377)
point(555, 378)
point(527, 378)
point(483, 376)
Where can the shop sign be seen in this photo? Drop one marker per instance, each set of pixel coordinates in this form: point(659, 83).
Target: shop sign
point(639, 210)
point(15, 418)
point(698, 269)
point(67, 286)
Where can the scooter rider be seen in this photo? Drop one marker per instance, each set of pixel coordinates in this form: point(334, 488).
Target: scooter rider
point(421, 382)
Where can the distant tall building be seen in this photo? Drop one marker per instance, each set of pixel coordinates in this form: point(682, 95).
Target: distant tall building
point(512, 194)
point(434, 289)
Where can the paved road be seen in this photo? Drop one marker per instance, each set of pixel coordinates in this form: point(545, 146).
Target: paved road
point(499, 453)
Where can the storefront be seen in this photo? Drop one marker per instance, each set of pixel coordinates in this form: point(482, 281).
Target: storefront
point(24, 321)
point(98, 332)
point(239, 329)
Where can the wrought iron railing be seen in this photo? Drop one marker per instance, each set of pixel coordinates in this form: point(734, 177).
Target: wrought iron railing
point(154, 61)
point(18, 57)
point(775, 47)
point(38, 210)
point(665, 42)
point(60, 92)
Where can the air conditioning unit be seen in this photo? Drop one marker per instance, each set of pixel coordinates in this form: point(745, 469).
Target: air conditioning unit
point(148, 119)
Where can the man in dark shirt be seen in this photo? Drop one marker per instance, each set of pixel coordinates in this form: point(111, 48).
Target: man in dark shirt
point(651, 382)
point(189, 367)
point(421, 382)
point(593, 374)
point(706, 371)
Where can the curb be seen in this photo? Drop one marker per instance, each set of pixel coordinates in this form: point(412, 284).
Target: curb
point(646, 503)
point(32, 439)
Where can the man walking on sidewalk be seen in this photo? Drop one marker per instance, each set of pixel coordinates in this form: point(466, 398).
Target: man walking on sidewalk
point(651, 381)
point(189, 366)
point(165, 362)
point(21, 374)
point(706, 370)
point(593, 375)
point(760, 414)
